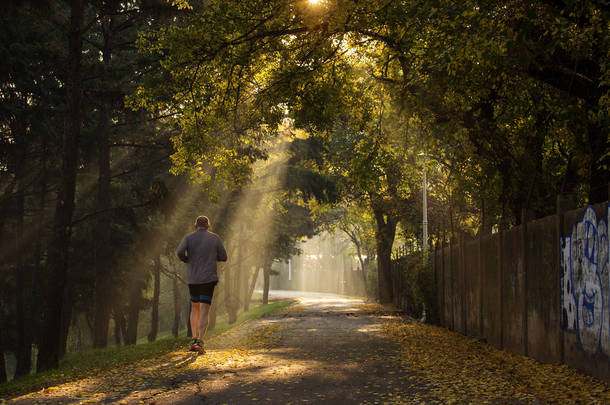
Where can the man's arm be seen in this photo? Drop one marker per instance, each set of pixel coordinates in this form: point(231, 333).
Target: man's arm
point(221, 255)
point(181, 251)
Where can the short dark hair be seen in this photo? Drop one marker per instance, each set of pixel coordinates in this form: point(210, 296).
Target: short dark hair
point(202, 222)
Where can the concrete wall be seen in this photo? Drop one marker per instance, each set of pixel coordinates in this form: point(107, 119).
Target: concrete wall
point(543, 332)
point(584, 281)
point(541, 289)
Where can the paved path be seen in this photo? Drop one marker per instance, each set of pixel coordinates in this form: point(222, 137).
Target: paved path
point(324, 350)
point(334, 350)
point(321, 350)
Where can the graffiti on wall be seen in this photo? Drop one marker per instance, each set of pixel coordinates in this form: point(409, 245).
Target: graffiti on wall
point(585, 282)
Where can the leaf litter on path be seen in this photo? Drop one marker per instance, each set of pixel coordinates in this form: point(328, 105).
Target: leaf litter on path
point(320, 360)
point(144, 379)
point(462, 370)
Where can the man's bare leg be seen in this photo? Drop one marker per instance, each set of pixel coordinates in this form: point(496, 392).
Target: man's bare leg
point(195, 319)
point(204, 316)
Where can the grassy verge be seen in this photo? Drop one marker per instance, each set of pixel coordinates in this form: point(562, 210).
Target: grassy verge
point(83, 364)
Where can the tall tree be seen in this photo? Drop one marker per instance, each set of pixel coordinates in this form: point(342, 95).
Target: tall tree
point(48, 356)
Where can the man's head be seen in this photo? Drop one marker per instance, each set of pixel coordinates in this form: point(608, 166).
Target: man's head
point(202, 222)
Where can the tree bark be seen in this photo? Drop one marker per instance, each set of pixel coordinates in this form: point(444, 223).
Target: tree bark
point(177, 307)
point(120, 330)
point(103, 253)
point(5, 206)
point(266, 276)
point(22, 270)
point(66, 320)
point(36, 281)
point(189, 330)
point(24, 341)
point(78, 335)
point(354, 238)
point(212, 317)
point(244, 286)
point(103, 274)
point(133, 315)
point(384, 236)
point(154, 323)
point(239, 276)
point(48, 356)
point(2, 367)
point(231, 302)
point(252, 285)
point(117, 332)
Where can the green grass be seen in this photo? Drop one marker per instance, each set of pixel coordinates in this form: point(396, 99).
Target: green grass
point(75, 366)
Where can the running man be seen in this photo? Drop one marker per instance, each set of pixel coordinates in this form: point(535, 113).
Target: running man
point(200, 251)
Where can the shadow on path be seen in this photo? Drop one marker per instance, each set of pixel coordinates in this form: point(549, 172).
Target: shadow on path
point(325, 349)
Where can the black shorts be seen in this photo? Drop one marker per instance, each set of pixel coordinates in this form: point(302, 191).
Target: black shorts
point(202, 292)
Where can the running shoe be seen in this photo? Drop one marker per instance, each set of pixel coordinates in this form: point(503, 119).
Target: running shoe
point(197, 346)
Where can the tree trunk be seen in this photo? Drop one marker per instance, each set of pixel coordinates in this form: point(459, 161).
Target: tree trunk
point(120, 326)
point(103, 273)
point(266, 276)
point(177, 307)
point(154, 323)
point(212, 316)
point(78, 336)
point(133, 315)
point(22, 276)
point(36, 281)
point(189, 330)
point(239, 276)
point(103, 253)
point(48, 356)
point(245, 287)
point(252, 285)
point(384, 236)
point(363, 271)
point(66, 320)
point(244, 269)
point(354, 238)
point(117, 331)
point(5, 207)
point(2, 367)
point(231, 302)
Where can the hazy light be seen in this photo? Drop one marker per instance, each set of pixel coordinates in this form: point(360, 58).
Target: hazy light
point(315, 2)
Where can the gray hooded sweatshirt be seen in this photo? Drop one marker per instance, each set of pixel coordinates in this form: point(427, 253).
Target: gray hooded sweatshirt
point(200, 251)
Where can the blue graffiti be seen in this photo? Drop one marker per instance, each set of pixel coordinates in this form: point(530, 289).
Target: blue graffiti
point(585, 282)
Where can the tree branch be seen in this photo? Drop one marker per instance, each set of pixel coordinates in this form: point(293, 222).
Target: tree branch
point(95, 213)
